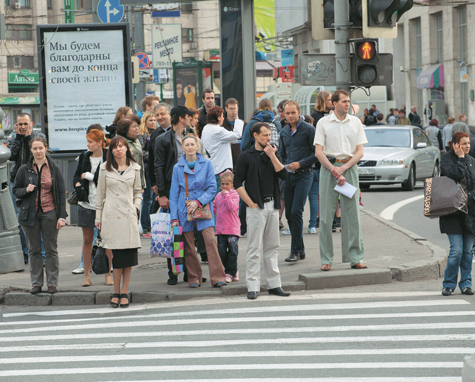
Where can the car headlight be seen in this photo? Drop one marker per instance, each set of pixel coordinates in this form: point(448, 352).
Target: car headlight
point(391, 162)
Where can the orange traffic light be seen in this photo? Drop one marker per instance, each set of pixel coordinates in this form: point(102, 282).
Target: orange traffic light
point(366, 50)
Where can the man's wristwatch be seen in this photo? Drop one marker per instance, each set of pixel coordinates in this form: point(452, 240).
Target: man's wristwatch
point(63, 219)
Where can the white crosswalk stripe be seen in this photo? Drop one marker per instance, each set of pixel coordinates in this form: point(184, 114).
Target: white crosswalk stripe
point(414, 340)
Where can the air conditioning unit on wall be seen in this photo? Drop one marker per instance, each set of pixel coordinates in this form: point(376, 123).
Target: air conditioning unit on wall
point(17, 6)
point(193, 45)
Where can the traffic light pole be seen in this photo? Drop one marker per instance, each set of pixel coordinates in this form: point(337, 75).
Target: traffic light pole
point(343, 81)
point(342, 48)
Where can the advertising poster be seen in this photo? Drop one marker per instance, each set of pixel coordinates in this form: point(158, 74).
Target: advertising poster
point(85, 82)
point(166, 45)
point(187, 87)
point(264, 16)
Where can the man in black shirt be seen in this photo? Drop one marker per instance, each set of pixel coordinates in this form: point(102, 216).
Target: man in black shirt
point(260, 168)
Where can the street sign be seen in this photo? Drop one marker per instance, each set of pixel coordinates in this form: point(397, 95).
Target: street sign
point(287, 57)
point(317, 69)
point(161, 76)
point(144, 61)
point(166, 10)
point(68, 16)
point(110, 11)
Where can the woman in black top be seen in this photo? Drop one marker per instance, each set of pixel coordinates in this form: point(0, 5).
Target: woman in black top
point(323, 105)
point(457, 165)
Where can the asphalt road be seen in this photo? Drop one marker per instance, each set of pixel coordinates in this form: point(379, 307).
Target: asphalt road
point(354, 336)
point(378, 198)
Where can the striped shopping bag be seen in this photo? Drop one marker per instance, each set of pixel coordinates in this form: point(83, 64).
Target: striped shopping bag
point(178, 256)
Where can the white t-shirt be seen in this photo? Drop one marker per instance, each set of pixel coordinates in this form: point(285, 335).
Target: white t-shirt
point(91, 203)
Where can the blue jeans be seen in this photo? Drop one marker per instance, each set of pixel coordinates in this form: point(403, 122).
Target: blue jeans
point(460, 256)
point(146, 204)
point(296, 191)
point(313, 199)
point(228, 252)
point(96, 231)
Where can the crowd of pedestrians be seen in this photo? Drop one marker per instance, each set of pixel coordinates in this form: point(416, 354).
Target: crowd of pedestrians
point(243, 176)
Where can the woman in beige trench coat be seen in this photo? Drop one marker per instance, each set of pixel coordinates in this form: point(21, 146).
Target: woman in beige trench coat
point(118, 202)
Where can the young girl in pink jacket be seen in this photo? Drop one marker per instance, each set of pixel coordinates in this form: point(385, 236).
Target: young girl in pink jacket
point(228, 225)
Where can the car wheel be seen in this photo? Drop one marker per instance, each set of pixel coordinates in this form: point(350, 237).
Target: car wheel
point(410, 182)
point(364, 186)
point(436, 171)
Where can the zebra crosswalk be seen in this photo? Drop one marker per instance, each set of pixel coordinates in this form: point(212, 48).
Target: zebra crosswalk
point(418, 339)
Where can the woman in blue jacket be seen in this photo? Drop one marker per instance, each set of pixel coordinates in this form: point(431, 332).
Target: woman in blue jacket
point(201, 191)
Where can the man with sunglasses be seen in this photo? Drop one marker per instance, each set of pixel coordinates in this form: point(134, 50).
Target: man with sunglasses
point(20, 154)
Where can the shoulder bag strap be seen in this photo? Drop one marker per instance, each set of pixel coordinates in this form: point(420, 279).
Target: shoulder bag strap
point(186, 185)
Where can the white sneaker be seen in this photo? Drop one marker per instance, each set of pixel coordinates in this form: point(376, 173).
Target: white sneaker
point(312, 230)
point(78, 271)
point(286, 232)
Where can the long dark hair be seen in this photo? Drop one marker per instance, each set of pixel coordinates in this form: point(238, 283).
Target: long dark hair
point(110, 157)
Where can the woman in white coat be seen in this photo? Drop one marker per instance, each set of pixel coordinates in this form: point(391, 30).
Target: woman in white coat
point(118, 202)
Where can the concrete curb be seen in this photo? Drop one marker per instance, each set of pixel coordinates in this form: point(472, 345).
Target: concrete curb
point(412, 271)
point(419, 269)
point(103, 298)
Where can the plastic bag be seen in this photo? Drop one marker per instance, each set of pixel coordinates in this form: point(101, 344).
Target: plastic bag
point(162, 237)
point(444, 196)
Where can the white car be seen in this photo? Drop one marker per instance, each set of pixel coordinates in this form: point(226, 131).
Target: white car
point(397, 154)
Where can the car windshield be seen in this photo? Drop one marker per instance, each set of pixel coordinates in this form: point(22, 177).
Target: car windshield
point(388, 137)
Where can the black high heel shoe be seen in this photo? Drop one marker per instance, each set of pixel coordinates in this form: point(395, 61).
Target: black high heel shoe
point(115, 304)
point(124, 295)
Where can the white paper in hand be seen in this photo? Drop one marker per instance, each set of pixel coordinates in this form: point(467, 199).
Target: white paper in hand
point(347, 189)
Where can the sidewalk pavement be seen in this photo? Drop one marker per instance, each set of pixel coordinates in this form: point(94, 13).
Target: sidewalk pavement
point(391, 253)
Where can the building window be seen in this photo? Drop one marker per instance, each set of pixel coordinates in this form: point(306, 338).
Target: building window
point(19, 32)
point(18, 3)
point(85, 5)
point(418, 44)
point(48, 4)
point(440, 38)
point(462, 11)
point(186, 8)
point(187, 34)
point(20, 62)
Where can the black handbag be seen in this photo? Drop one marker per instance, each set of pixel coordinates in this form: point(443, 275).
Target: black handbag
point(444, 196)
point(73, 198)
point(99, 259)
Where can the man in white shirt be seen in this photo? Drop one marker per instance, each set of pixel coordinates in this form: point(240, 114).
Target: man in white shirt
point(217, 142)
point(341, 136)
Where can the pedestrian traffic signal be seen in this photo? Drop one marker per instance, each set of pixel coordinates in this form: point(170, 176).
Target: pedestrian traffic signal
point(366, 62)
point(369, 67)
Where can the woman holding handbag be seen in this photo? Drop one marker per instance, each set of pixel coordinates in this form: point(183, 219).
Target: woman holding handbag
point(192, 192)
point(39, 188)
point(85, 182)
point(118, 202)
point(457, 165)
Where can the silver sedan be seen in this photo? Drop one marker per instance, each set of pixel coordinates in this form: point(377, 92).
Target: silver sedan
point(397, 154)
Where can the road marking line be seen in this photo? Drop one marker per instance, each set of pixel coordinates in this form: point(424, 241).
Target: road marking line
point(233, 355)
point(268, 309)
point(347, 328)
point(182, 368)
point(388, 213)
point(156, 323)
point(227, 343)
point(210, 302)
point(365, 379)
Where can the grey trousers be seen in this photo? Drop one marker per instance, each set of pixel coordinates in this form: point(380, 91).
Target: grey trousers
point(263, 242)
point(45, 224)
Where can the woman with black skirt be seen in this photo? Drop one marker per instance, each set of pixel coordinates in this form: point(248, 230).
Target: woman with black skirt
point(118, 202)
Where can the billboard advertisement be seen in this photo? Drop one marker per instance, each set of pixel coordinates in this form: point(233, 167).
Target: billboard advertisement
point(84, 78)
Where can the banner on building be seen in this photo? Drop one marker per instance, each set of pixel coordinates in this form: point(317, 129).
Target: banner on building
point(166, 45)
point(264, 18)
point(84, 78)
